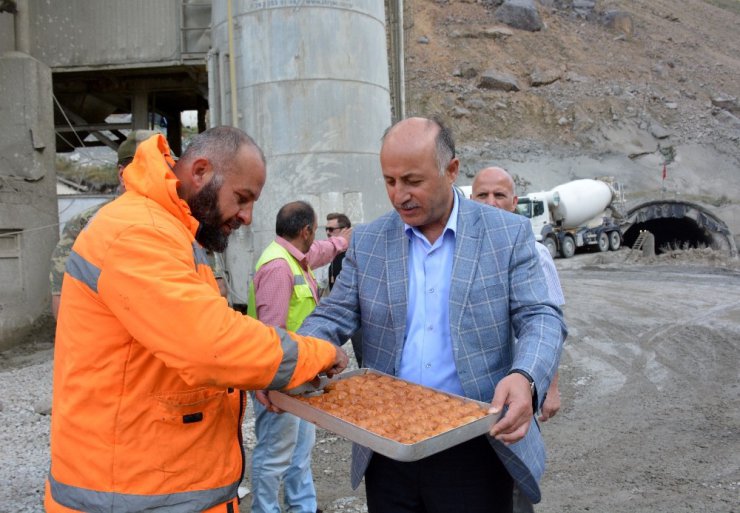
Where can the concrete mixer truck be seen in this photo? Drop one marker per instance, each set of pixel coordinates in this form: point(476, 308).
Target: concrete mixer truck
point(575, 214)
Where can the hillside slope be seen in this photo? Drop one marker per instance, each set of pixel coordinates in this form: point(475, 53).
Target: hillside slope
point(618, 102)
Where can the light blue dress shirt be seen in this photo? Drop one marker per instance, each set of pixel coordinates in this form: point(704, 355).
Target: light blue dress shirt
point(427, 357)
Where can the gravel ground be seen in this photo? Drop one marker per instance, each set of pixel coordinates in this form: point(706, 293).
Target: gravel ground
point(24, 442)
point(25, 404)
point(649, 381)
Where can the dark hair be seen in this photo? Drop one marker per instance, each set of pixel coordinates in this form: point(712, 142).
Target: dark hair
point(293, 217)
point(445, 146)
point(219, 145)
point(342, 220)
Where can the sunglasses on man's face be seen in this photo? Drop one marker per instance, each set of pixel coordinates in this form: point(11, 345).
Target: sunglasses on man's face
point(332, 229)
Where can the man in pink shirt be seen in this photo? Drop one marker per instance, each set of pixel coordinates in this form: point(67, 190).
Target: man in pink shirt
point(283, 293)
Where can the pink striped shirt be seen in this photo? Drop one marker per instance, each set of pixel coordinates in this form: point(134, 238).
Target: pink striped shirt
point(273, 283)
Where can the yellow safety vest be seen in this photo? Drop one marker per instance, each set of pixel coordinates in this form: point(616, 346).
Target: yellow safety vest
point(302, 301)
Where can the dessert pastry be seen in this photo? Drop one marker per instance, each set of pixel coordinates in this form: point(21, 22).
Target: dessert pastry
point(395, 409)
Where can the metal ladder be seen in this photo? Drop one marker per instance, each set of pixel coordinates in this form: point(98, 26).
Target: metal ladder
point(640, 240)
point(637, 245)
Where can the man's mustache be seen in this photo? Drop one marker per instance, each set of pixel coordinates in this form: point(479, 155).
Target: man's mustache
point(234, 224)
point(408, 205)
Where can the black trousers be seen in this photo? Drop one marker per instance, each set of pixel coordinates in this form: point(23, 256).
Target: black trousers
point(467, 478)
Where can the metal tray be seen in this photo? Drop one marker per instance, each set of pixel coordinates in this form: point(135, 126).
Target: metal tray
point(385, 446)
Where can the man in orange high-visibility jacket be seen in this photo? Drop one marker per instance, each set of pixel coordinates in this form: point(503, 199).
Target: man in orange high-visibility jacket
point(150, 362)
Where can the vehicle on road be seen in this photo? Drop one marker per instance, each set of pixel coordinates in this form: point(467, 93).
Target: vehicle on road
point(578, 214)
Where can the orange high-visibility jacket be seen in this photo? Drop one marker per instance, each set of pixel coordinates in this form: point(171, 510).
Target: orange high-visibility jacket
point(150, 360)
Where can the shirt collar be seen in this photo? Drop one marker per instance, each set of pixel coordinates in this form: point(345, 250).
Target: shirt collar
point(412, 231)
point(297, 253)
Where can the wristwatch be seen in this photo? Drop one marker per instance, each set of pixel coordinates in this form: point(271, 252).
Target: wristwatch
point(532, 387)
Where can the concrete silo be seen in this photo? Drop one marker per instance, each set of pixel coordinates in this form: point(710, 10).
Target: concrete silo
point(28, 207)
point(311, 83)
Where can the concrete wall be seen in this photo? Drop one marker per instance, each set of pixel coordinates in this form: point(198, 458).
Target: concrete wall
point(7, 33)
point(28, 206)
point(80, 34)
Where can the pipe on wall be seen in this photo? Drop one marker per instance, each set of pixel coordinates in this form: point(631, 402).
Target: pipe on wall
point(398, 79)
point(232, 66)
point(22, 27)
point(214, 100)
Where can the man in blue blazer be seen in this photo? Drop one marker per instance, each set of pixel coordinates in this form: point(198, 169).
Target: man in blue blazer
point(441, 287)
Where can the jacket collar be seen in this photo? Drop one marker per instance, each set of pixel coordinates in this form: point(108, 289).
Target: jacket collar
point(151, 175)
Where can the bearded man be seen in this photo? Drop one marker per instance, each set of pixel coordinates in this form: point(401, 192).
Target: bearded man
point(150, 363)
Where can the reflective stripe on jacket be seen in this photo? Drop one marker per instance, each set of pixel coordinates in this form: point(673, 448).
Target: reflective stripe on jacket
point(150, 360)
point(302, 302)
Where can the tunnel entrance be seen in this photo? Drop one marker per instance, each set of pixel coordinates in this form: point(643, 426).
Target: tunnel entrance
point(678, 225)
point(671, 234)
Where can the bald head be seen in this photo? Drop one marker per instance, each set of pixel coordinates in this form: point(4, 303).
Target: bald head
point(494, 186)
point(419, 167)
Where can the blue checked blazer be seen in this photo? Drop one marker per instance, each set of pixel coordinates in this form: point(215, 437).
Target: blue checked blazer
point(498, 293)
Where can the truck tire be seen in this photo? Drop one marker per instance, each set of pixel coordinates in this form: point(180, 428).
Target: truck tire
point(551, 245)
point(603, 242)
point(568, 249)
point(615, 241)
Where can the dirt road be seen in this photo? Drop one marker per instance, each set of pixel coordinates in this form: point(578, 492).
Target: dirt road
point(650, 386)
point(649, 379)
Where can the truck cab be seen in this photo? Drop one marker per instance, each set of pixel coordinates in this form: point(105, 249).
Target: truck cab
point(534, 206)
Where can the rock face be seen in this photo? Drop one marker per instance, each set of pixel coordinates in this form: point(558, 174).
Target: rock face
point(492, 79)
point(602, 91)
point(466, 70)
point(520, 14)
point(583, 8)
point(621, 22)
point(679, 72)
point(544, 77)
point(729, 104)
point(659, 131)
point(43, 406)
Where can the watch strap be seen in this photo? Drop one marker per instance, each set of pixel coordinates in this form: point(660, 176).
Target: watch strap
point(532, 387)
